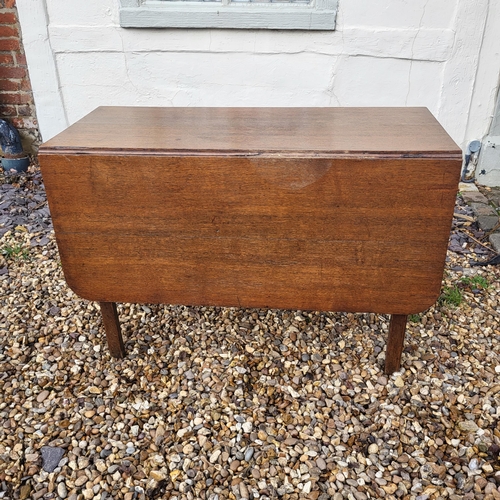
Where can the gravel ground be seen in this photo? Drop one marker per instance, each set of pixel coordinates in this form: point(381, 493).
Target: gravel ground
point(216, 403)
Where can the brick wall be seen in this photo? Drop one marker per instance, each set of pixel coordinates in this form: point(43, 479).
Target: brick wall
point(16, 98)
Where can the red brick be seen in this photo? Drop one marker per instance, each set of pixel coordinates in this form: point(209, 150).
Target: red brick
point(8, 31)
point(21, 59)
point(26, 84)
point(11, 85)
point(26, 123)
point(10, 3)
point(9, 98)
point(7, 72)
point(7, 110)
point(6, 59)
point(9, 44)
point(8, 18)
point(24, 110)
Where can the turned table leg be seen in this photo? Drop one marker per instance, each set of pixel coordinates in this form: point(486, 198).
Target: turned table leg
point(112, 328)
point(397, 328)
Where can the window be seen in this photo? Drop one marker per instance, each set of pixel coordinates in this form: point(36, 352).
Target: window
point(238, 14)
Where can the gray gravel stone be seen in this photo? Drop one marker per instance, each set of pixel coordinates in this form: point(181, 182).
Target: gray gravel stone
point(483, 209)
point(487, 222)
point(249, 453)
point(495, 241)
point(51, 455)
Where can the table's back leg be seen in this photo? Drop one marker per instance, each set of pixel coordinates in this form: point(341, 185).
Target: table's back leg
point(397, 328)
point(112, 328)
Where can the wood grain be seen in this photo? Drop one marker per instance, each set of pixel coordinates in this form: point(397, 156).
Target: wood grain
point(250, 131)
point(357, 236)
point(112, 328)
point(297, 208)
point(395, 342)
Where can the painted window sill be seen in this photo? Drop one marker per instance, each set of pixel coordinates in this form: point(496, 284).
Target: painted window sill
point(317, 15)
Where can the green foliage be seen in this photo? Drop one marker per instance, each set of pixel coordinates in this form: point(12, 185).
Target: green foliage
point(451, 296)
point(475, 282)
point(415, 318)
point(454, 296)
point(15, 252)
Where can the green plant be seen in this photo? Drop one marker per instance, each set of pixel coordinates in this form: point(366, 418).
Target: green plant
point(475, 282)
point(451, 296)
point(415, 318)
point(15, 252)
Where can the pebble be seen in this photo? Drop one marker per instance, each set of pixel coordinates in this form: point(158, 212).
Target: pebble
point(474, 464)
point(468, 426)
point(320, 462)
point(481, 482)
point(51, 456)
point(359, 495)
point(488, 468)
point(460, 480)
point(80, 481)
point(249, 454)
point(244, 495)
point(61, 490)
point(215, 456)
point(247, 427)
point(256, 403)
point(490, 488)
point(42, 396)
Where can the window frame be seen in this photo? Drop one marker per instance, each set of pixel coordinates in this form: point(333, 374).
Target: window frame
point(316, 15)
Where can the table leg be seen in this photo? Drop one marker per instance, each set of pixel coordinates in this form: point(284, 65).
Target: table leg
point(397, 328)
point(112, 328)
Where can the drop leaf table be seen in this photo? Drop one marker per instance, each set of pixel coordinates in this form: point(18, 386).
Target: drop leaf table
point(327, 209)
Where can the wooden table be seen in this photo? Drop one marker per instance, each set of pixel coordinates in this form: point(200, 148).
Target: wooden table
point(328, 209)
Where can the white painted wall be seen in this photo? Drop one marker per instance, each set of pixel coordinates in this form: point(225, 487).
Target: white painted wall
point(383, 53)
